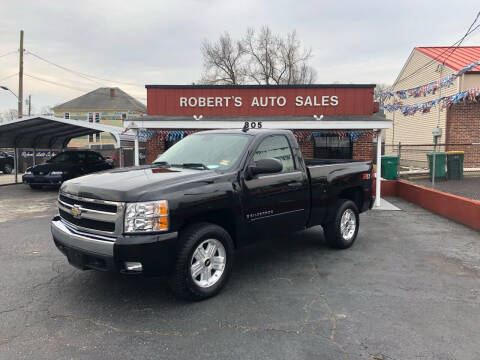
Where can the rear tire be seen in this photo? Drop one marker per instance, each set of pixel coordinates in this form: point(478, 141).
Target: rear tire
point(342, 231)
point(204, 262)
point(7, 169)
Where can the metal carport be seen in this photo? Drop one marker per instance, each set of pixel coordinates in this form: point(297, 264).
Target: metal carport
point(49, 132)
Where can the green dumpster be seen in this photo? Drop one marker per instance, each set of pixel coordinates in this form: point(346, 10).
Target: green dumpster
point(455, 165)
point(440, 160)
point(389, 167)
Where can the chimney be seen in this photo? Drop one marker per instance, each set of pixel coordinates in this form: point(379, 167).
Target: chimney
point(112, 92)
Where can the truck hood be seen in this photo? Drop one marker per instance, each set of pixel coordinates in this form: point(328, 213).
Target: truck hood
point(143, 183)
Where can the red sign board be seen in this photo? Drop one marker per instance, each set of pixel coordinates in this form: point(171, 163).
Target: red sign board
point(171, 100)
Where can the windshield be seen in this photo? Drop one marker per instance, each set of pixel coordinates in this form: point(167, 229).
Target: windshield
point(211, 151)
point(65, 157)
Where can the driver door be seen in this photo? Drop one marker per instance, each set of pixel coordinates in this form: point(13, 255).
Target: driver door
point(275, 203)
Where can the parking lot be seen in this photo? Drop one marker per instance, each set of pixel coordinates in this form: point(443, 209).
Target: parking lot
point(408, 289)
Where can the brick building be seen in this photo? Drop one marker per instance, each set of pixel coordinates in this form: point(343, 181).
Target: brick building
point(329, 121)
point(460, 122)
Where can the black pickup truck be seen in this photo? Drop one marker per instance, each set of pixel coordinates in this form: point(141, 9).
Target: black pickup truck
point(206, 196)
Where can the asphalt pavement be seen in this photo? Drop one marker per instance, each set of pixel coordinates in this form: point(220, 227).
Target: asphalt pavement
point(468, 187)
point(408, 289)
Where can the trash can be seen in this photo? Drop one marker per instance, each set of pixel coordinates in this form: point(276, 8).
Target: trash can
point(455, 165)
point(440, 160)
point(389, 167)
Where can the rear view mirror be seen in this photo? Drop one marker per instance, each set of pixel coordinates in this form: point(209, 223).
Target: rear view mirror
point(264, 166)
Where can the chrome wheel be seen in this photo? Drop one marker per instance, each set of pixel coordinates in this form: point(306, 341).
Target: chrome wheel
point(208, 263)
point(348, 224)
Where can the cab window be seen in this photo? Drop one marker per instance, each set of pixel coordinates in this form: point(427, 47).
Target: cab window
point(277, 147)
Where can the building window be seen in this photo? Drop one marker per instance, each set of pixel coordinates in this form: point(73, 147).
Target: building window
point(124, 116)
point(97, 117)
point(333, 147)
point(90, 117)
point(66, 116)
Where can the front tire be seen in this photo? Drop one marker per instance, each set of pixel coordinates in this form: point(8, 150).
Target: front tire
point(204, 262)
point(342, 231)
point(7, 169)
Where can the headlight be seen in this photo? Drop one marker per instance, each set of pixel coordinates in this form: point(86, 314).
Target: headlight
point(57, 172)
point(146, 216)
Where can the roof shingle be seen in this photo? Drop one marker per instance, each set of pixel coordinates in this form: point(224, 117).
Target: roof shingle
point(454, 58)
point(100, 99)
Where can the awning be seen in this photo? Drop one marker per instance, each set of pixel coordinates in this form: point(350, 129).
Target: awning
point(375, 121)
point(50, 132)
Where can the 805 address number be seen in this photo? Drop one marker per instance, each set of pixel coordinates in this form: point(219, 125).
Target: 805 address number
point(252, 125)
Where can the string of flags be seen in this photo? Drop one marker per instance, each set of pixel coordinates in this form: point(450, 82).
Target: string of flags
point(468, 96)
point(303, 136)
point(431, 87)
point(173, 135)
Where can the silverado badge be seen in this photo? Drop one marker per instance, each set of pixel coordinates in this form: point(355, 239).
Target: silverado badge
point(76, 211)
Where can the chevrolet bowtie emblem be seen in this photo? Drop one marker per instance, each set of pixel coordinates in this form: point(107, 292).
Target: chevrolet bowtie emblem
point(76, 211)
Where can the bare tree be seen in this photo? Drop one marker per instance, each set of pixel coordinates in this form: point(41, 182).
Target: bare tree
point(379, 93)
point(260, 57)
point(9, 115)
point(222, 61)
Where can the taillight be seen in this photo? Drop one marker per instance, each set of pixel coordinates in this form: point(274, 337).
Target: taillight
point(366, 176)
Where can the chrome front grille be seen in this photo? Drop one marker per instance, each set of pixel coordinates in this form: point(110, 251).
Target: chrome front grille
point(91, 215)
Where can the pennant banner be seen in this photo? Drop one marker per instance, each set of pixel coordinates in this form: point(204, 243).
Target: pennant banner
point(303, 136)
point(432, 87)
point(468, 96)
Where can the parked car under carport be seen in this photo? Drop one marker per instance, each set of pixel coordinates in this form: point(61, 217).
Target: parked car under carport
point(66, 165)
point(7, 162)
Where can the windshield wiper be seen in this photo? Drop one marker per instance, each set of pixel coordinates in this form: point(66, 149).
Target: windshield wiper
point(161, 163)
point(192, 165)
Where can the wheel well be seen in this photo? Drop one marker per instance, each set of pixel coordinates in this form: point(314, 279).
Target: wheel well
point(223, 218)
point(354, 194)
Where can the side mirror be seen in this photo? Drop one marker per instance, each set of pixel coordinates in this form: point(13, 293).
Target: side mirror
point(264, 166)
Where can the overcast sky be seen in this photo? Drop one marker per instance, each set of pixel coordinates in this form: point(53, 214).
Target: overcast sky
point(158, 42)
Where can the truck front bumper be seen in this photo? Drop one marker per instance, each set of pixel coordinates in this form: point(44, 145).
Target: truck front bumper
point(155, 253)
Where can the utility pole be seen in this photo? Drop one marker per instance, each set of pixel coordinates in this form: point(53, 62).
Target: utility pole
point(20, 78)
point(29, 105)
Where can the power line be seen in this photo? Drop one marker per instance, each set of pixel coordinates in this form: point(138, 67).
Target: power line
point(9, 76)
point(70, 87)
point(9, 53)
point(84, 75)
point(453, 46)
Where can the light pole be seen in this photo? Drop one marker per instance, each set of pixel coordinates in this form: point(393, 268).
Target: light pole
point(18, 99)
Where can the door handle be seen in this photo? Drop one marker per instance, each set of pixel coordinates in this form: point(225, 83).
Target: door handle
point(295, 184)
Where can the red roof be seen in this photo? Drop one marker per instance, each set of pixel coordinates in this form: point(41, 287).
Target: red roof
point(454, 58)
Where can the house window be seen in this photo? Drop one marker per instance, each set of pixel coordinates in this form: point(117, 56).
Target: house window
point(97, 117)
point(66, 116)
point(333, 147)
point(90, 117)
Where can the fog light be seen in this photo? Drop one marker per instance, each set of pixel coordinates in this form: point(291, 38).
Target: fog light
point(133, 266)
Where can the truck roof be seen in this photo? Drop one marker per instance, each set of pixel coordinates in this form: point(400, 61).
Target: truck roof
point(251, 132)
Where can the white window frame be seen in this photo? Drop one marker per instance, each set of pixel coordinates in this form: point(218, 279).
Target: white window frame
point(90, 115)
point(96, 117)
